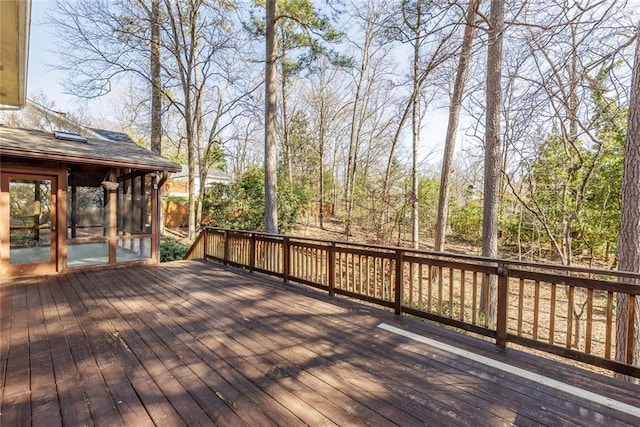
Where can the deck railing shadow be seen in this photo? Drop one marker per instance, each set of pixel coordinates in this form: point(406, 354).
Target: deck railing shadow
point(188, 342)
point(271, 357)
point(566, 311)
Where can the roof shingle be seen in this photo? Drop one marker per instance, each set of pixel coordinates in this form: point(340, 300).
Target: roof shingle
point(35, 144)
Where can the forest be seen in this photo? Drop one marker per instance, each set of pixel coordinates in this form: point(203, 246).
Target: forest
point(381, 114)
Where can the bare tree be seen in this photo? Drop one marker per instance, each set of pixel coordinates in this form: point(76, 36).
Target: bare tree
point(180, 43)
point(452, 126)
point(427, 28)
point(197, 36)
point(368, 73)
point(326, 114)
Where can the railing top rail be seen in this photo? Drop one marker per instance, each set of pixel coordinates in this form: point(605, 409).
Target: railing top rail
point(503, 262)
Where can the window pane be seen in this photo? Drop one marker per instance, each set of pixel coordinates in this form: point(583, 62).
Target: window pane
point(133, 249)
point(87, 216)
point(93, 253)
point(134, 206)
point(29, 221)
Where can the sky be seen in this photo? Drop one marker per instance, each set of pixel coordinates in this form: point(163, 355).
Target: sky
point(43, 78)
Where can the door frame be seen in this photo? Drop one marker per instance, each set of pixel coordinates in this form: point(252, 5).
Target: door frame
point(57, 177)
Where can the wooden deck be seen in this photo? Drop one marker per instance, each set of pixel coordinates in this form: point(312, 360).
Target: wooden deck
point(190, 343)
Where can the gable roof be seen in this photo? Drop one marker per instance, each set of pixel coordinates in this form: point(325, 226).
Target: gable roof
point(112, 135)
point(35, 144)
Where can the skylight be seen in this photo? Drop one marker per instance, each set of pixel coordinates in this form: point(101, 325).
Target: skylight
point(68, 136)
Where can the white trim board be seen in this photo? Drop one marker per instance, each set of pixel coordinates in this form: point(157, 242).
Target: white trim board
point(540, 379)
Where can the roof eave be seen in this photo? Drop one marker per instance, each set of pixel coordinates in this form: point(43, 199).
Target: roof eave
point(15, 20)
point(87, 160)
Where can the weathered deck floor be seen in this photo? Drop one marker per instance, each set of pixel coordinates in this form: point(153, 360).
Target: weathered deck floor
point(197, 344)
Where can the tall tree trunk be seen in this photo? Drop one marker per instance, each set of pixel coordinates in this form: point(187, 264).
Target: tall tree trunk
point(415, 214)
point(629, 238)
point(270, 154)
point(184, 48)
point(286, 144)
point(321, 167)
point(156, 90)
point(354, 143)
point(415, 131)
point(386, 183)
point(199, 134)
point(452, 126)
point(492, 153)
point(191, 163)
point(156, 83)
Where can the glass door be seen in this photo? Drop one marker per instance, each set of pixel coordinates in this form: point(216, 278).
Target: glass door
point(29, 236)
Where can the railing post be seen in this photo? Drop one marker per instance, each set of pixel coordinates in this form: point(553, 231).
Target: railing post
point(631, 322)
point(252, 252)
point(226, 247)
point(503, 305)
point(205, 236)
point(286, 258)
point(399, 282)
point(332, 269)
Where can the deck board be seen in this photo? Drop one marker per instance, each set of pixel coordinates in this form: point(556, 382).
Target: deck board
point(72, 401)
point(191, 343)
point(46, 409)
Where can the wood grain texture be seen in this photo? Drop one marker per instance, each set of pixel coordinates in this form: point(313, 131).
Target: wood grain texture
point(194, 343)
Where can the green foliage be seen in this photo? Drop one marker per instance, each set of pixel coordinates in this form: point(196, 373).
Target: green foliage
point(172, 250)
point(179, 199)
point(519, 227)
point(290, 198)
point(603, 199)
point(303, 35)
point(428, 193)
point(466, 220)
point(573, 186)
point(304, 153)
point(240, 205)
point(215, 156)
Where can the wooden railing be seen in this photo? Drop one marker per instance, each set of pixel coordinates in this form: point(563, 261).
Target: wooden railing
point(567, 311)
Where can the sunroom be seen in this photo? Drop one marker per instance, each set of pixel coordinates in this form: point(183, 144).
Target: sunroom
point(70, 202)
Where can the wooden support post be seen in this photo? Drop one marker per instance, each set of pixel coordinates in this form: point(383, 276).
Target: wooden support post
point(113, 219)
point(156, 200)
point(205, 238)
point(37, 210)
point(503, 304)
point(74, 211)
point(332, 269)
point(399, 281)
point(631, 323)
point(252, 252)
point(286, 267)
point(142, 207)
point(226, 247)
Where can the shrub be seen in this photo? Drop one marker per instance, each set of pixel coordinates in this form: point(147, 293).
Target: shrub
point(466, 221)
point(172, 250)
point(240, 205)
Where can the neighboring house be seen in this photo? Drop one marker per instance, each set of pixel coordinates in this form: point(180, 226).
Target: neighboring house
point(70, 201)
point(35, 116)
point(178, 183)
point(175, 213)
